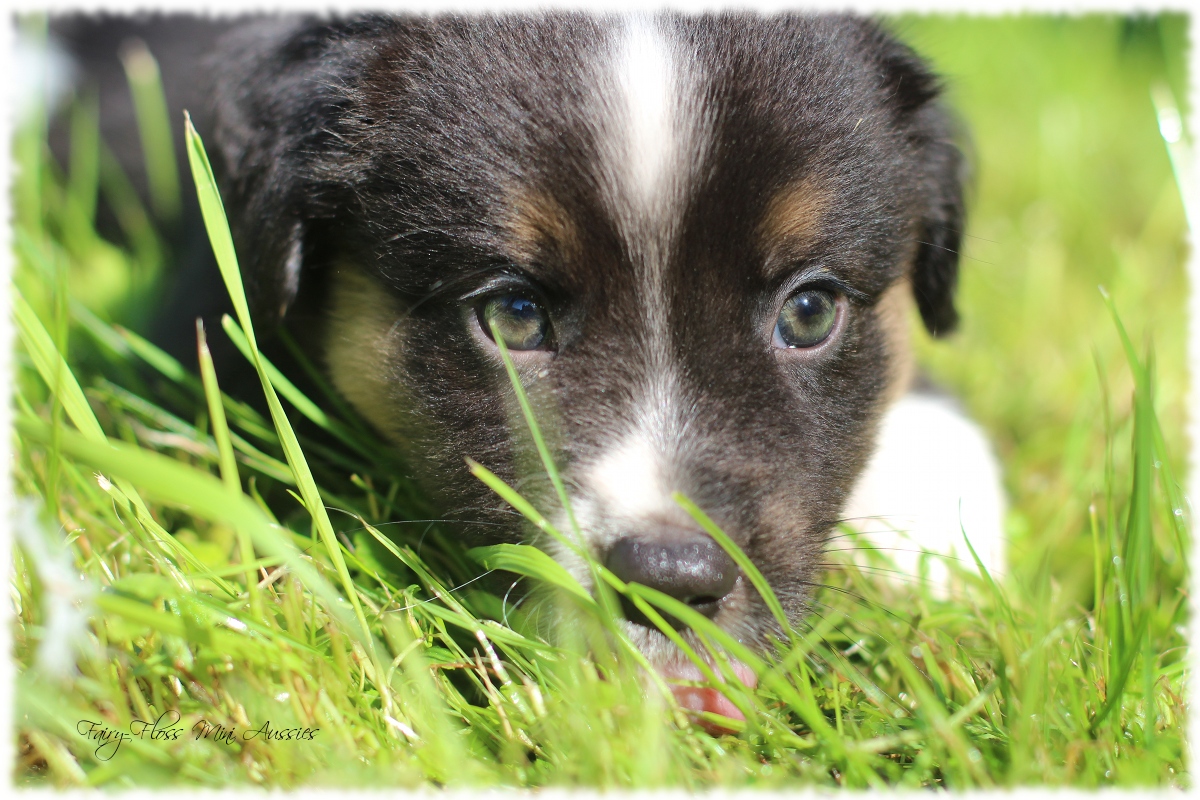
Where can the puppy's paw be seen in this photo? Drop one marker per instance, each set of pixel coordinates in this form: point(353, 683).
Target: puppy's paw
point(933, 477)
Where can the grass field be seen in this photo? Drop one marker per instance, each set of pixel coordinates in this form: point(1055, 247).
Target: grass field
point(186, 566)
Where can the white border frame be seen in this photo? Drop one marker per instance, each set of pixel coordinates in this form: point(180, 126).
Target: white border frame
point(223, 7)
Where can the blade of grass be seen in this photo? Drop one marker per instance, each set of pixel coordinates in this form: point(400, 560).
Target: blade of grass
point(534, 429)
point(987, 575)
point(222, 243)
point(132, 217)
point(531, 562)
point(54, 370)
point(608, 603)
point(177, 484)
point(85, 155)
point(608, 618)
point(297, 398)
point(229, 470)
point(246, 417)
point(803, 703)
point(318, 379)
point(742, 560)
point(154, 127)
point(938, 719)
point(736, 697)
point(251, 455)
point(1116, 685)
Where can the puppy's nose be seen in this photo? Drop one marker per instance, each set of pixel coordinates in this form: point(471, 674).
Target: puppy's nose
point(687, 566)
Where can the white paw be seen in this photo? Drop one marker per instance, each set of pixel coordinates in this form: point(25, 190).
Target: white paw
point(932, 477)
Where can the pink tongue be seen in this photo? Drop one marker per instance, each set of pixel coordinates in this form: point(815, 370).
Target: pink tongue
point(698, 698)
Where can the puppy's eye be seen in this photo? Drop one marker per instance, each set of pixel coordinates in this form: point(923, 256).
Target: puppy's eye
point(806, 320)
point(521, 322)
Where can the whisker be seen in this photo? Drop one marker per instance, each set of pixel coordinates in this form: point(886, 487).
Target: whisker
point(883, 518)
point(448, 591)
point(865, 602)
point(421, 541)
point(962, 233)
point(423, 522)
point(902, 575)
point(504, 602)
point(857, 638)
point(956, 252)
point(876, 549)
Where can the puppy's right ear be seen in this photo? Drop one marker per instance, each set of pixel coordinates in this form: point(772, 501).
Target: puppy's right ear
point(280, 90)
point(913, 92)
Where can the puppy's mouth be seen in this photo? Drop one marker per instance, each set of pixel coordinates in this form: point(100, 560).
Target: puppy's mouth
point(695, 694)
point(706, 692)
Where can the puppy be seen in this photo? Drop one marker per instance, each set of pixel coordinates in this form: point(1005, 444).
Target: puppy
point(699, 237)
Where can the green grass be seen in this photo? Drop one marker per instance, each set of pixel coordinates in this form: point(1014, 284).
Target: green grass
point(180, 554)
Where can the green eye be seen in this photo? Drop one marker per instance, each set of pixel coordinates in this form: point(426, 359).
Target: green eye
point(521, 322)
point(806, 320)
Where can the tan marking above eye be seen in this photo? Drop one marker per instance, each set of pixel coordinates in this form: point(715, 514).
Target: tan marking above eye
point(793, 215)
point(538, 223)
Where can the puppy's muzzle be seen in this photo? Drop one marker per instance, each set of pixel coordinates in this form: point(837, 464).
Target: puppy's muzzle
point(684, 564)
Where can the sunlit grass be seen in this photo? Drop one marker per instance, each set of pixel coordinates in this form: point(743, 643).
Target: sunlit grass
point(180, 553)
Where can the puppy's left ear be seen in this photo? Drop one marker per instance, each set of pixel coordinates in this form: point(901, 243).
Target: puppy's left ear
point(941, 174)
point(280, 85)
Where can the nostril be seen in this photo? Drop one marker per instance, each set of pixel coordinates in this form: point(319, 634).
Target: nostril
point(687, 566)
point(708, 606)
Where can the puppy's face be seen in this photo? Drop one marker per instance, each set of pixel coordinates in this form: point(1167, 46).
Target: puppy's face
point(697, 236)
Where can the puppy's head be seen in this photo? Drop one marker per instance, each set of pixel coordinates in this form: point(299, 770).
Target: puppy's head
point(698, 237)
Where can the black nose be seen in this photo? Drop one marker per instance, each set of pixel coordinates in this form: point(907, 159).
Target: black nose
point(687, 566)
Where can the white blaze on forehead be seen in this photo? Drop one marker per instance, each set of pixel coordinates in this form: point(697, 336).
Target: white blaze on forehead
point(646, 77)
point(651, 135)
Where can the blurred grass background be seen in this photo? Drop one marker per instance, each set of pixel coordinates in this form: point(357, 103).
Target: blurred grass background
point(1072, 189)
point(1072, 675)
